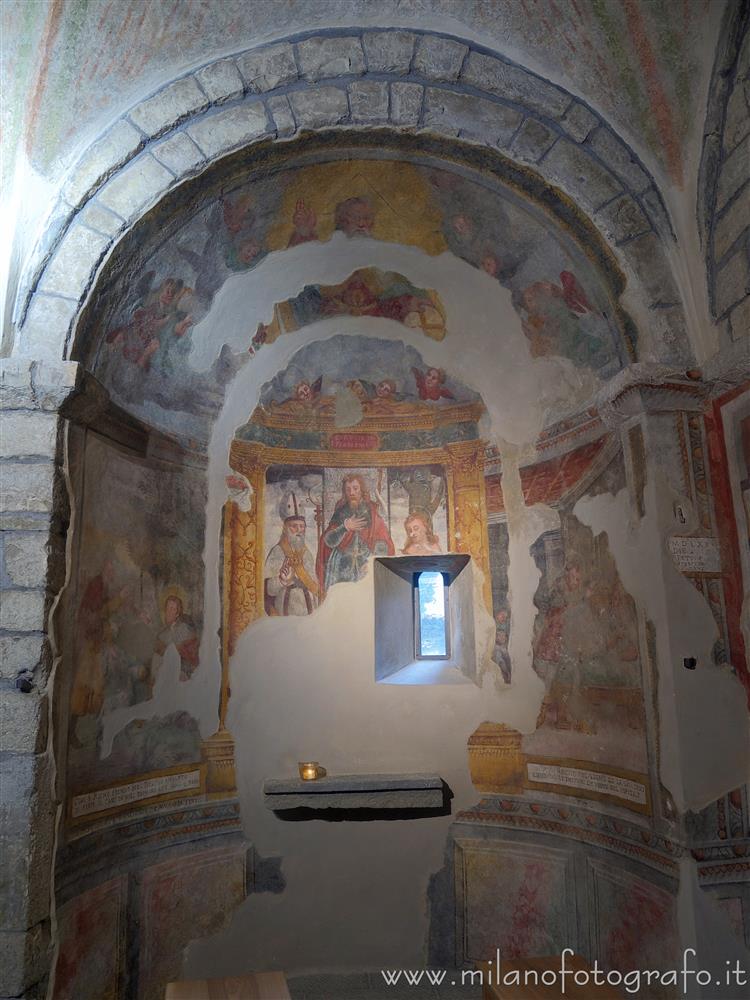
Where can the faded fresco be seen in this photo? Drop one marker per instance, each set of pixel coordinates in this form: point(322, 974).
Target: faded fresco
point(586, 651)
point(91, 956)
point(172, 913)
point(136, 610)
point(636, 927)
point(358, 448)
point(533, 919)
point(367, 292)
point(146, 355)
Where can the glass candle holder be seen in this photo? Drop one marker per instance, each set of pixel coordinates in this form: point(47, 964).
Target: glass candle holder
point(309, 770)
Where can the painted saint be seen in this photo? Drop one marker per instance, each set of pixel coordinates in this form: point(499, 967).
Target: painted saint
point(421, 539)
point(178, 631)
point(291, 586)
point(355, 532)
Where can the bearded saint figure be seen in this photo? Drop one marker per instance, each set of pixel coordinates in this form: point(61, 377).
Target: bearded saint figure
point(291, 587)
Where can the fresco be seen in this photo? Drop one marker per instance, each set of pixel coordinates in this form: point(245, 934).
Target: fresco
point(353, 513)
point(367, 292)
point(358, 448)
point(534, 887)
point(146, 357)
point(173, 914)
point(137, 602)
point(637, 927)
point(91, 955)
point(586, 651)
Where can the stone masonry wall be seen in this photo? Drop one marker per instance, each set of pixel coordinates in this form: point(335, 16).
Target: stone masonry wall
point(725, 180)
point(409, 81)
point(33, 517)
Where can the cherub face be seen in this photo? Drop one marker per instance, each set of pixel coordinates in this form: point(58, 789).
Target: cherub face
point(168, 291)
point(490, 264)
point(432, 377)
point(248, 251)
point(303, 392)
point(462, 226)
point(385, 389)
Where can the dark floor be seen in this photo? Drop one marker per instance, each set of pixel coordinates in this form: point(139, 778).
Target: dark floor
point(372, 986)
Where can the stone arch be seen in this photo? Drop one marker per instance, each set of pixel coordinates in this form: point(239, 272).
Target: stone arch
point(413, 83)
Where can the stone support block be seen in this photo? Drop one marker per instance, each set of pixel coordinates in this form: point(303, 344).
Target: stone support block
point(578, 121)
point(733, 281)
point(569, 165)
point(23, 721)
point(657, 213)
point(447, 110)
point(320, 106)
point(388, 51)
point(368, 100)
point(25, 434)
point(53, 382)
point(739, 320)
point(532, 141)
point(619, 159)
point(221, 81)
point(24, 962)
point(735, 171)
point(623, 219)
point(16, 391)
point(268, 68)
point(169, 106)
point(645, 255)
point(140, 183)
point(46, 326)
point(26, 486)
point(218, 133)
point(321, 58)
point(100, 219)
point(22, 610)
point(737, 122)
point(24, 558)
point(21, 654)
point(732, 223)
point(281, 111)
point(27, 822)
point(406, 103)
point(439, 58)
point(119, 144)
point(179, 154)
point(514, 84)
point(26, 384)
point(69, 272)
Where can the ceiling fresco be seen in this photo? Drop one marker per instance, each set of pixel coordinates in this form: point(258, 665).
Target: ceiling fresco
point(642, 65)
point(149, 357)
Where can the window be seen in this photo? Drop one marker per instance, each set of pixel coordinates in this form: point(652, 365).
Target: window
point(431, 631)
point(424, 620)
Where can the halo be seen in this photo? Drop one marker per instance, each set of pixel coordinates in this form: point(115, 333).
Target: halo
point(173, 590)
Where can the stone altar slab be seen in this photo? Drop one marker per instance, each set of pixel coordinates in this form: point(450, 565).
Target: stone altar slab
point(356, 791)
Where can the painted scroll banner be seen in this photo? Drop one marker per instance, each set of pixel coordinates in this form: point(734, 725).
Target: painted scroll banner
point(590, 781)
point(695, 555)
point(135, 791)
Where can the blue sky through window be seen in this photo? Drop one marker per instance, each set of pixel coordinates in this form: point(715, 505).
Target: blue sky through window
point(431, 614)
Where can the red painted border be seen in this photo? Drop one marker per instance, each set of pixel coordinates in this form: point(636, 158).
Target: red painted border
point(727, 528)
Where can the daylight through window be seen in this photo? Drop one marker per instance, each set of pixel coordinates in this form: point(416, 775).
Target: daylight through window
point(432, 637)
